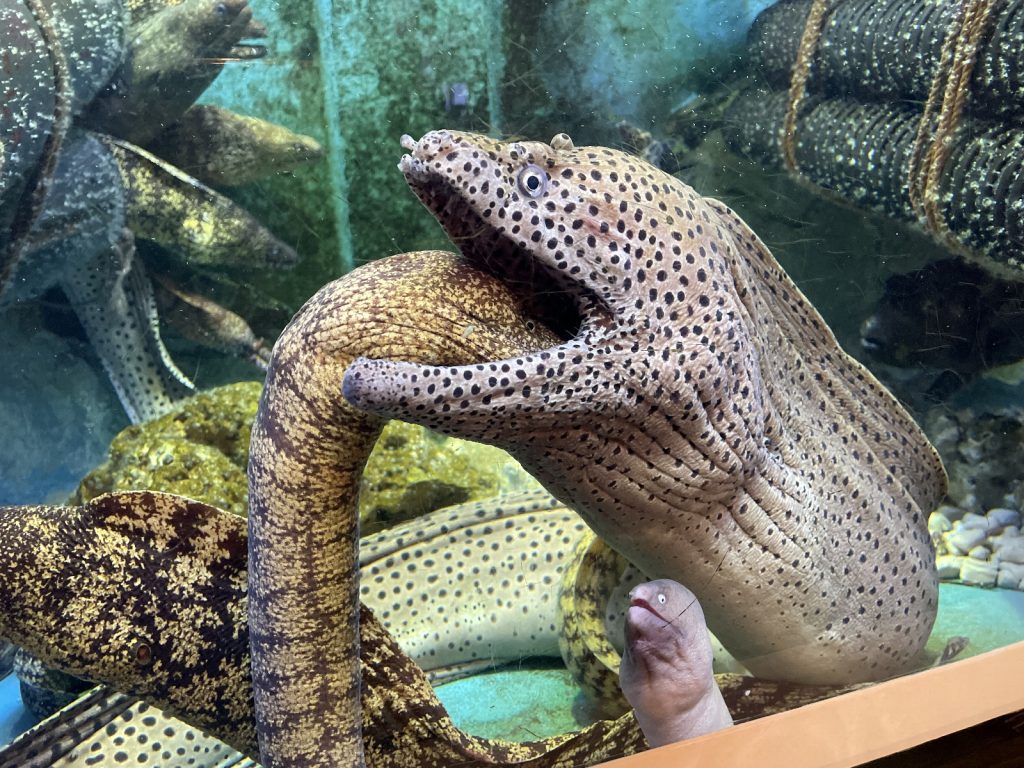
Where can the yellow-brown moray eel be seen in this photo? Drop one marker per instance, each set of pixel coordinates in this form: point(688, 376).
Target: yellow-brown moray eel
point(307, 452)
point(703, 420)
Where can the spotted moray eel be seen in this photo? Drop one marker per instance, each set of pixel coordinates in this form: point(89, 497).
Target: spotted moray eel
point(702, 419)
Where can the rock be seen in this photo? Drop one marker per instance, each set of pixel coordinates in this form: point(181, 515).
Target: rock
point(1000, 517)
point(949, 512)
point(962, 540)
point(413, 471)
point(1011, 576)
point(1006, 535)
point(981, 451)
point(972, 520)
point(949, 566)
point(938, 523)
point(979, 573)
point(1011, 550)
point(199, 450)
point(979, 553)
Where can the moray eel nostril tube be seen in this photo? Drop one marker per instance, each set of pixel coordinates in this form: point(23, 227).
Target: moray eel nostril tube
point(700, 416)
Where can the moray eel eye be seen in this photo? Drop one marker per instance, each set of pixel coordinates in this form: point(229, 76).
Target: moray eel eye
point(143, 654)
point(532, 181)
point(661, 598)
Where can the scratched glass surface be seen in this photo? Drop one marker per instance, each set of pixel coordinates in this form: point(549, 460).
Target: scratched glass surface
point(179, 177)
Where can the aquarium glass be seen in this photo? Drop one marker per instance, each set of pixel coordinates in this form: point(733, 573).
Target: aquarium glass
point(179, 177)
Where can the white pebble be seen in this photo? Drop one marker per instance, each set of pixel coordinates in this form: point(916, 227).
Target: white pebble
point(950, 512)
point(1008, 533)
point(1010, 550)
point(1011, 576)
point(972, 520)
point(979, 553)
point(963, 540)
point(949, 566)
point(980, 573)
point(938, 523)
point(1000, 517)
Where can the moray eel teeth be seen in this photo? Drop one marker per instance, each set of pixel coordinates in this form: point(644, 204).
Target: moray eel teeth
point(700, 415)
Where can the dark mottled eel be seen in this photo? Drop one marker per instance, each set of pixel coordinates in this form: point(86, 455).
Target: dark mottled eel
point(703, 419)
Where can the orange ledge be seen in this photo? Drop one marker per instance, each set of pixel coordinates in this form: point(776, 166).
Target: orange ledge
point(864, 725)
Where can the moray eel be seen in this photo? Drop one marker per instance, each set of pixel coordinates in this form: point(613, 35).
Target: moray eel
point(472, 586)
point(176, 53)
point(205, 322)
point(703, 419)
point(304, 469)
point(225, 149)
point(666, 667)
point(105, 728)
point(80, 243)
point(192, 221)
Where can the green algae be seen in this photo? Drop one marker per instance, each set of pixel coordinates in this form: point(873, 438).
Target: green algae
point(197, 450)
point(413, 471)
point(201, 448)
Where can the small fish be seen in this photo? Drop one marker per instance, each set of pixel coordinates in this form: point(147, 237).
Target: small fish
point(666, 670)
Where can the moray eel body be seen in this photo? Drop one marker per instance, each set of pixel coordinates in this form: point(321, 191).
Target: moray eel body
point(666, 667)
point(108, 729)
point(703, 419)
point(189, 219)
point(304, 469)
point(225, 149)
point(208, 323)
point(475, 585)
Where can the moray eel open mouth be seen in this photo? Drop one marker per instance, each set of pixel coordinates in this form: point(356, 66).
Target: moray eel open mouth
point(486, 237)
point(639, 602)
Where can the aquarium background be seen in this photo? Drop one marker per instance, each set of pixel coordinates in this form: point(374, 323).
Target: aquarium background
point(355, 76)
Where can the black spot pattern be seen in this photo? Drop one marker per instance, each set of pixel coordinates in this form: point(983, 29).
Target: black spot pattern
point(703, 419)
point(474, 584)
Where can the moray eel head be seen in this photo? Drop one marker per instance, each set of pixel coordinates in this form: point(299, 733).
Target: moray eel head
point(536, 216)
point(519, 207)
